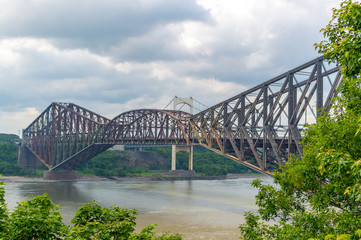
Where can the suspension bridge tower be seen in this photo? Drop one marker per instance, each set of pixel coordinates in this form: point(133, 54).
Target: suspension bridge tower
point(180, 104)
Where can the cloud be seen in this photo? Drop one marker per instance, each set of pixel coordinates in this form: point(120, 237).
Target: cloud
point(11, 122)
point(113, 56)
point(92, 23)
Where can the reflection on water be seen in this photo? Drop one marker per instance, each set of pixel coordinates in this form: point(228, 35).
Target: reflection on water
point(182, 198)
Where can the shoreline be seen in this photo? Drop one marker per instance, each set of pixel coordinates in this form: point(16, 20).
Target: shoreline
point(192, 213)
point(132, 178)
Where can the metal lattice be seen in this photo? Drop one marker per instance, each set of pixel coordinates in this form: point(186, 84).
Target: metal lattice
point(148, 127)
point(259, 128)
point(64, 135)
point(263, 126)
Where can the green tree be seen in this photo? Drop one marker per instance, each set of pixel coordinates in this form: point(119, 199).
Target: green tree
point(8, 137)
point(37, 218)
point(4, 217)
point(9, 161)
point(92, 221)
point(319, 195)
point(95, 222)
point(148, 233)
point(343, 41)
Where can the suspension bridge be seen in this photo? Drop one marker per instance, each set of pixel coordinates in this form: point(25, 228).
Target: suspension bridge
point(259, 128)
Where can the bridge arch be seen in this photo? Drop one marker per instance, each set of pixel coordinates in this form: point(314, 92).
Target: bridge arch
point(148, 127)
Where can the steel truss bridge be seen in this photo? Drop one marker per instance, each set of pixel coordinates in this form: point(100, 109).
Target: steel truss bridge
point(259, 128)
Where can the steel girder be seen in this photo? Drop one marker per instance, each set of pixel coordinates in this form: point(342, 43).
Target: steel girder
point(64, 135)
point(261, 127)
point(148, 127)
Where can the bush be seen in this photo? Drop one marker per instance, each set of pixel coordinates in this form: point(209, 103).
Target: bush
point(39, 218)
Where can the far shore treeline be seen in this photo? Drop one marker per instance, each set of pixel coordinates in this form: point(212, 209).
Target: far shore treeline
point(118, 163)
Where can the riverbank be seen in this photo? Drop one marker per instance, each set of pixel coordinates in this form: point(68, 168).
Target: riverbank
point(132, 178)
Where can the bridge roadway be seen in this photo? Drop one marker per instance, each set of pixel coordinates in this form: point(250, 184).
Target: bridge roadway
point(259, 128)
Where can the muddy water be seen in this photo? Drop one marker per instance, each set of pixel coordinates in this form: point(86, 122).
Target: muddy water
point(197, 209)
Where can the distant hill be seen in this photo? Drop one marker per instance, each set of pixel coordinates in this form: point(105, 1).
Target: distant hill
point(8, 137)
point(127, 163)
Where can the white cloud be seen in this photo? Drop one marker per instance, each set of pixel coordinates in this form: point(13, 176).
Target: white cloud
point(142, 53)
point(14, 122)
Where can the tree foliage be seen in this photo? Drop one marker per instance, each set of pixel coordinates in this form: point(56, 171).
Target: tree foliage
point(318, 196)
point(94, 221)
point(108, 163)
point(8, 137)
point(4, 217)
point(39, 218)
point(343, 41)
point(119, 163)
point(206, 162)
point(9, 161)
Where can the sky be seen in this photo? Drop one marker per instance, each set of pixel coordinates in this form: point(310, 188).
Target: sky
point(112, 56)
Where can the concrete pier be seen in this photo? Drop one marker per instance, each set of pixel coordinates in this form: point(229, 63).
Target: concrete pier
point(176, 149)
point(60, 175)
point(27, 159)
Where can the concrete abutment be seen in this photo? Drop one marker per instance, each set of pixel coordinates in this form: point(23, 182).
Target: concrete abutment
point(176, 149)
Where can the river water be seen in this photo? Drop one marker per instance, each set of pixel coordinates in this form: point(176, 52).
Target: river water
point(197, 209)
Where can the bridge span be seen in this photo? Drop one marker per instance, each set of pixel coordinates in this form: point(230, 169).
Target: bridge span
point(259, 128)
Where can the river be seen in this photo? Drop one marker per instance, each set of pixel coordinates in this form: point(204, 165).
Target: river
point(197, 209)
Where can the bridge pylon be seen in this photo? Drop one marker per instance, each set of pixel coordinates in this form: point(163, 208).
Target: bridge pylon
point(182, 101)
point(188, 149)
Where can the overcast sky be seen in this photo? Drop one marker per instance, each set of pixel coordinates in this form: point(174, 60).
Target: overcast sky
point(112, 56)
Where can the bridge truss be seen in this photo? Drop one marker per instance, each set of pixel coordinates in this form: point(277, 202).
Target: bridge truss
point(65, 135)
point(263, 126)
point(148, 127)
point(259, 128)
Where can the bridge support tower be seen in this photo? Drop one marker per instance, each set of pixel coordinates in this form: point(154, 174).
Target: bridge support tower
point(27, 159)
point(176, 149)
point(60, 175)
point(185, 101)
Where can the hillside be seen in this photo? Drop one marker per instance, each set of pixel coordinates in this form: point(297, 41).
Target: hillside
point(126, 163)
point(8, 137)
